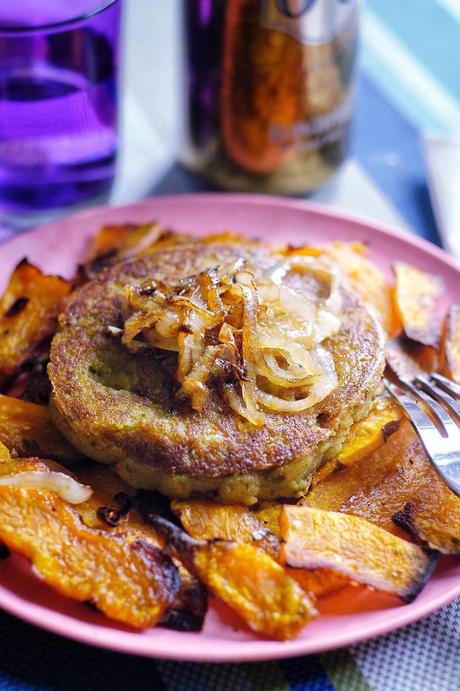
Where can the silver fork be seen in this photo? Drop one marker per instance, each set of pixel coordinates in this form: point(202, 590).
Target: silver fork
point(431, 403)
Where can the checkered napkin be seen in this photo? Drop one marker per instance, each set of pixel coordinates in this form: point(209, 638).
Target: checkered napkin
point(421, 657)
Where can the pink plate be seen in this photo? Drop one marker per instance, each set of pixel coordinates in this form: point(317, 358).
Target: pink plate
point(348, 617)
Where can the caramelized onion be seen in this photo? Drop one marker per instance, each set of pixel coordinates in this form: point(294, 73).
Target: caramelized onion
point(250, 413)
point(65, 486)
point(321, 387)
point(311, 265)
point(256, 337)
point(193, 384)
point(248, 387)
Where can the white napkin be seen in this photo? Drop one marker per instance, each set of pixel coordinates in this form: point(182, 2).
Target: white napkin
point(442, 155)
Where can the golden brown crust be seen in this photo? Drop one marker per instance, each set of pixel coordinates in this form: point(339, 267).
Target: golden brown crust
point(114, 405)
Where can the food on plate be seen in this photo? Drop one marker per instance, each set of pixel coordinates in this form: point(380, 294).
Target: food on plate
point(400, 360)
point(407, 359)
point(215, 366)
point(396, 483)
point(203, 519)
point(115, 508)
point(129, 579)
point(365, 435)
point(417, 296)
point(368, 434)
point(26, 430)
point(244, 380)
point(327, 548)
point(4, 452)
point(246, 578)
point(319, 582)
point(208, 520)
point(450, 350)
point(314, 538)
point(28, 312)
point(367, 280)
point(116, 242)
point(268, 514)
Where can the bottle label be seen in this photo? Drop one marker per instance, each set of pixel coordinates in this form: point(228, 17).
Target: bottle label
point(314, 133)
point(312, 22)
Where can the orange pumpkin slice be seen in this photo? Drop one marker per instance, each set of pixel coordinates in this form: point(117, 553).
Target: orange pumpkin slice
point(396, 476)
point(28, 315)
point(26, 430)
point(247, 579)
point(352, 546)
point(450, 349)
point(129, 579)
point(416, 297)
point(208, 520)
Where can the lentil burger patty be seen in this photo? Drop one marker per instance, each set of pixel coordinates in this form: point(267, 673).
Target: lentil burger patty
point(119, 407)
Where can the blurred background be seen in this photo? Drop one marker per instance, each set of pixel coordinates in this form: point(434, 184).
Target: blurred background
point(265, 113)
point(408, 86)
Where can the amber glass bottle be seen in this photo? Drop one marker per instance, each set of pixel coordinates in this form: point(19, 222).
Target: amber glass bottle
point(269, 86)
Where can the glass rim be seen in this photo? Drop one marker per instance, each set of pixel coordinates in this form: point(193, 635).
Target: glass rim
point(21, 29)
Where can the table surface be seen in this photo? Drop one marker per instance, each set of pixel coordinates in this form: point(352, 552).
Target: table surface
point(408, 85)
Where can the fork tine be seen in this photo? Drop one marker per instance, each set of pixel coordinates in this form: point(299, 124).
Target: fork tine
point(419, 419)
point(436, 392)
point(438, 412)
point(447, 384)
point(443, 452)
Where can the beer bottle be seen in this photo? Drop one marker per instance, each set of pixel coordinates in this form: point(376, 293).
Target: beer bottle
point(269, 87)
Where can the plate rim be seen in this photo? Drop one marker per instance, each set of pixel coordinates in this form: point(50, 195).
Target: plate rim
point(259, 650)
point(135, 643)
point(317, 208)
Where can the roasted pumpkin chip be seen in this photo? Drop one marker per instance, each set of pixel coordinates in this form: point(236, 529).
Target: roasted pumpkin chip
point(4, 453)
point(188, 609)
point(113, 507)
point(324, 471)
point(247, 579)
point(318, 582)
point(208, 520)
point(26, 430)
point(427, 525)
point(400, 360)
point(28, 312)
point(407, 359)
point(300, 250)
point(116, 242)
point(384, 483)
point(366, 435)
point(354, 547)
point(129, 579)
point(367, 280)
point(268, 514)
point(450, 348)
point(33, 383)
point(416, 297)
point(356, 483)
point(426, 356)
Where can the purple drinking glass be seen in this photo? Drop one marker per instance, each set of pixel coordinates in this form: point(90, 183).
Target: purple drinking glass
point(58, 106)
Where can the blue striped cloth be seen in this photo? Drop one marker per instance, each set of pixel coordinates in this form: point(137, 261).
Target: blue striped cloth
point(409, 84)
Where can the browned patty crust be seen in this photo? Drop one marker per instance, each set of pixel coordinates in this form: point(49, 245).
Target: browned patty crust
point(115, 405)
